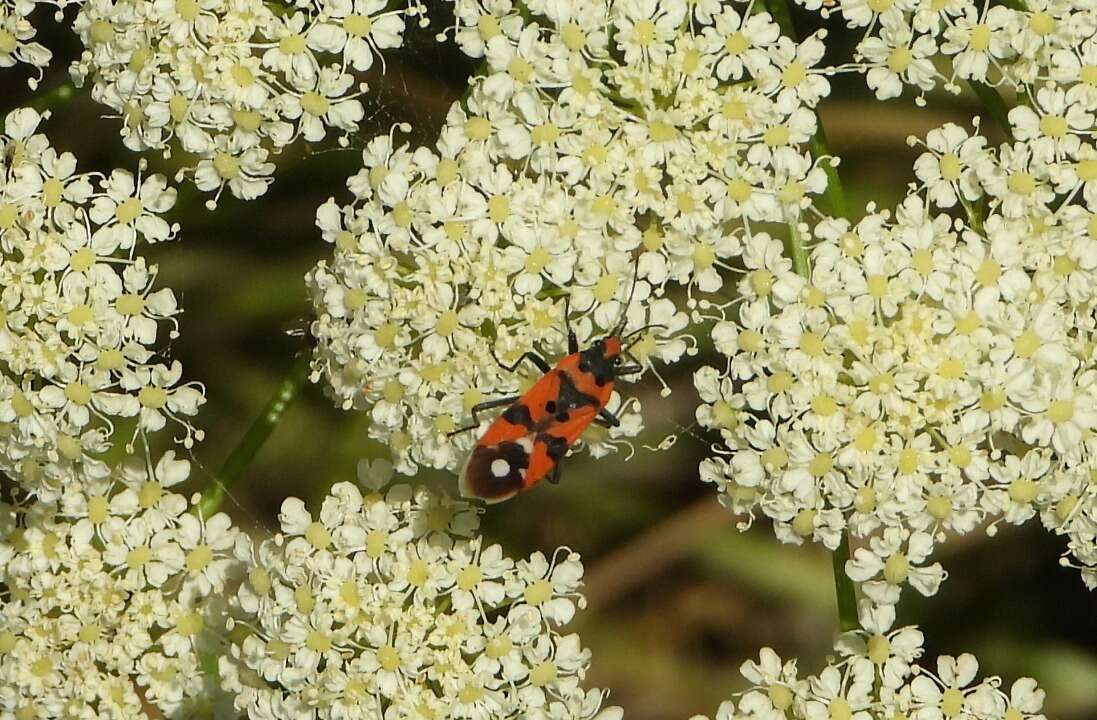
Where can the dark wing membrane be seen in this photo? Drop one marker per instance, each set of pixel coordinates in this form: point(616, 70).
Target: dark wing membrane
point(495, 473)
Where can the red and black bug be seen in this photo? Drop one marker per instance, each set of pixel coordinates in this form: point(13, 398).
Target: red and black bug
point(527, 441)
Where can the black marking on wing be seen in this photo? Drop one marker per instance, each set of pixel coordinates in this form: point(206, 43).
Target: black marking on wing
point(518, 414)
point(479, 480)
point(571, 397)
point(594, 361)
point(555, 447)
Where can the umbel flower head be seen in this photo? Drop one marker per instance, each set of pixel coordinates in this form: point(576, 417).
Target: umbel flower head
point(599, 139)
point(79, 313)
point(934, 374)
point(923, 45)
point(878, 674)
point(110, 596)
point(231, 83)
point(390, 603)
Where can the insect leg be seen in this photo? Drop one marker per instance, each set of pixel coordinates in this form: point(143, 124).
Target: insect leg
point(481, 407)
point(555, 477)
point(607, 419)
point(533, 357)
point(573, 343)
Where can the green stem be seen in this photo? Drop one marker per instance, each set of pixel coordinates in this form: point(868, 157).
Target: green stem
point(249, 445)
point(53, 97)
point(782, 15)
point(994, 104)
point(973, 215)
point(844, 588)
point(796, 250)
point(836, 194)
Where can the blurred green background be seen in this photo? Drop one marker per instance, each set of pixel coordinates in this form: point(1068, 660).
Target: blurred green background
point(678, 598)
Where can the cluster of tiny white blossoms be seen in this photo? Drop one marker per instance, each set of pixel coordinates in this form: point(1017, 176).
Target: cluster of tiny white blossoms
point(116, 594)
point(922, 44)
point(876, 675)
point(17, 33)
point(390, 604)
point(110, 591)
point(79, 315)
point(110, 598)
point(601, 141)
point(927, 374)
point(233, 83)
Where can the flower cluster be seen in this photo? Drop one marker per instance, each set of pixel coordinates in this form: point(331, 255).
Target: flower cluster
point(17, 33)
point(110, 597)
point(932, 374)
point(79, 315)
point(602, 141)
point(390, 603)
point(1013, 47)
point(116, 595)
point(876, 675)
point(928, 374)
point(230, 83)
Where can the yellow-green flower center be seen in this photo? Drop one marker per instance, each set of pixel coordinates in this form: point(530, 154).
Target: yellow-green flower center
point(357, 25)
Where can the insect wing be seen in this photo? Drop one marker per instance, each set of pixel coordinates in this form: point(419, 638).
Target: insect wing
point(520, 418)
point(497, 472)
point(563, 434)
point(505, 460)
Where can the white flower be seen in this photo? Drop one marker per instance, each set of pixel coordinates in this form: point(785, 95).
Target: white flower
point(741, 43)
point(375, 474)
point(1052, 129)
point(978, 40)
point(894, 566)
point(892, 652)
point(896, 58)
point(356, 28)
point(946, 694)
point(16, 40)
point(949, 168)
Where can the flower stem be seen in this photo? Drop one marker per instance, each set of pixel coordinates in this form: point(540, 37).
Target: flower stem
point(994, 104)
point(796, 250)
point(973, 215)
point(54, 97)
point(844, 587)
point(836, 194)
point(261, 428)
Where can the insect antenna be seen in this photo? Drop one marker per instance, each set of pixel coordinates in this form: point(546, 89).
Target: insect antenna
point(620, 325)
point(637, 331)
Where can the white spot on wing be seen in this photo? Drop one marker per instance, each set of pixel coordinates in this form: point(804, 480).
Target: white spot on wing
point(526, 443)
point(500, 467)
